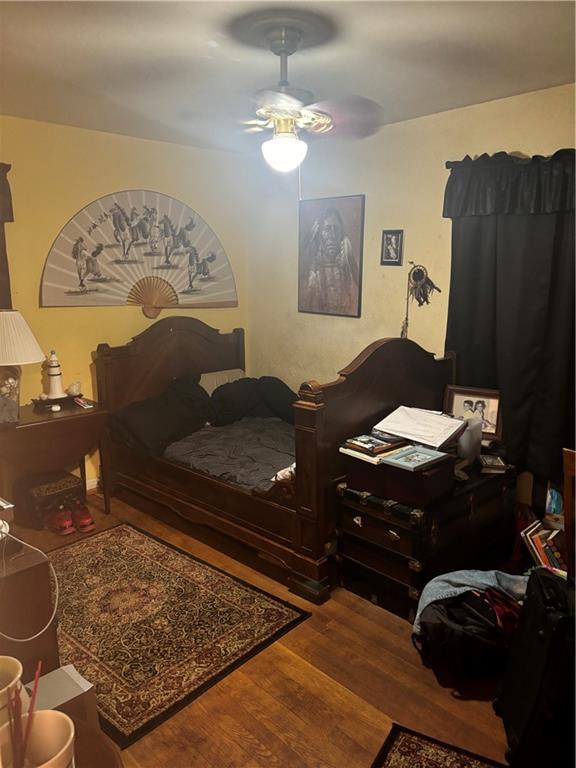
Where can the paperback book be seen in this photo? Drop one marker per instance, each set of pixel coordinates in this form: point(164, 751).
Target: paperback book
point(409, 457)
point(545, 545)
point(388, 437)
point(370, 458)
point(371, 444)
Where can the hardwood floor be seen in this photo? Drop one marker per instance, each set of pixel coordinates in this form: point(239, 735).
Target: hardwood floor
point(324, 695)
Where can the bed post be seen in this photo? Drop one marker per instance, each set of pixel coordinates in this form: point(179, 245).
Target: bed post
point(315, 522)
point(107, 482)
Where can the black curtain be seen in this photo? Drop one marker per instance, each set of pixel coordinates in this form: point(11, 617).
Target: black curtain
point(5, 215)
point(511, 307)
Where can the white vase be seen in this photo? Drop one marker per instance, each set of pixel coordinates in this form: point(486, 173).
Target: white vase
point(50, 742)
point(10, 679)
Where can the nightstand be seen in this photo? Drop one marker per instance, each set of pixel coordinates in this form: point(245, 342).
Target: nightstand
point(45, 442)
point(388, 551)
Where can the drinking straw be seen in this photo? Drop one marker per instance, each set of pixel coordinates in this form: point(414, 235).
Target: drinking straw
point(31, 710)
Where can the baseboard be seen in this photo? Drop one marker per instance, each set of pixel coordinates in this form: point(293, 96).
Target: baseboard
point(92, 484)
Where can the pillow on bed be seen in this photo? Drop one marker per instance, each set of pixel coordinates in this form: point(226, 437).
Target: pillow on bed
point(238, 399)
point(152, 424)
point(214, 379)
point(257, 398)
point(278, 397)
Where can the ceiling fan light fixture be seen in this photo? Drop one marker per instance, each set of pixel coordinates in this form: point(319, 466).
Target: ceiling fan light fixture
point(284, 152)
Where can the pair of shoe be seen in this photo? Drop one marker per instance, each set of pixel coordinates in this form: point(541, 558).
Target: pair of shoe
point(65, 521)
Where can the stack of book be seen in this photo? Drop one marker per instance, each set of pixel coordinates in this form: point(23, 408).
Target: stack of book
point(391, 450)
point(373, 445)
point(492, 465)
point(545, 545)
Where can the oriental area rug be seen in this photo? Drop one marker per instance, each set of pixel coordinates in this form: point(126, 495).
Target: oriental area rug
point(408, 749)
point(152, 627)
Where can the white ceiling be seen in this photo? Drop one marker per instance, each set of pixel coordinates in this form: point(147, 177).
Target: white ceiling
point(169, 70)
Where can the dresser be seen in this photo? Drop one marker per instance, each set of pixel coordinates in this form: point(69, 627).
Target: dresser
point(388, 551)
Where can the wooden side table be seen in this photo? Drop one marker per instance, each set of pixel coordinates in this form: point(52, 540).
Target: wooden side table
point(45, 442)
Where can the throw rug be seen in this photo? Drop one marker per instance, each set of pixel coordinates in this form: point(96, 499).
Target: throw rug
point(408, 749)
point(152, 627)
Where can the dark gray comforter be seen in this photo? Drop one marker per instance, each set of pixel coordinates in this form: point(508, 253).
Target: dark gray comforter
point(248, 452)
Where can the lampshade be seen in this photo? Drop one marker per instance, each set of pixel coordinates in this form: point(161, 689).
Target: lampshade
point(17, 343)
point(284, 152)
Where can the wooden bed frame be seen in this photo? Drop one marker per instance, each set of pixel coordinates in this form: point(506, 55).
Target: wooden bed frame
point(298, 539)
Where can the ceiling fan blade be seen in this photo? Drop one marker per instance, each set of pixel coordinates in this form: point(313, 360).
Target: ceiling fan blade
point(353, 116)
point(256, 121)
point(254, 129)
point(276, 100)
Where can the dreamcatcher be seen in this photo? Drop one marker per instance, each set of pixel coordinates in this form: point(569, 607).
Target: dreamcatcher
point(420, 287)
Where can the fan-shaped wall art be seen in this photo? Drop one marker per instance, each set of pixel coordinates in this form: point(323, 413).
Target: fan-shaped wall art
point(137, 247)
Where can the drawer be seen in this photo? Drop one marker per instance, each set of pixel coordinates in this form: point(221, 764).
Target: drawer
point(376, 530)
point(380, 590)
point(403, 569)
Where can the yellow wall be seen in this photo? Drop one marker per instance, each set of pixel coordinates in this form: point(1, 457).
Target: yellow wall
point(402, 172)
point(56, 171)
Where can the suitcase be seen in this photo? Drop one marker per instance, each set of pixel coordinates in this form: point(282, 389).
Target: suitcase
point(536, 700)
point(413, 488)
point(388, 551)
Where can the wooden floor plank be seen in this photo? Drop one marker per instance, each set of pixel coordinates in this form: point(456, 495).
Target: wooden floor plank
point(324, 695)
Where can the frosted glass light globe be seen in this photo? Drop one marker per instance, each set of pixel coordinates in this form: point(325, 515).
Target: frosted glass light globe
point(284, 152)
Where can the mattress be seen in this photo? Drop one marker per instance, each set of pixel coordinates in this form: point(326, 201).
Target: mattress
point(247, 453)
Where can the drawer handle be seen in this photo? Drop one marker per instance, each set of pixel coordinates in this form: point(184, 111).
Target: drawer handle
point(393, 536)
point(358, 520)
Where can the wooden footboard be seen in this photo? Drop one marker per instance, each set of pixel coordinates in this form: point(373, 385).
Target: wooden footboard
point(388, 373)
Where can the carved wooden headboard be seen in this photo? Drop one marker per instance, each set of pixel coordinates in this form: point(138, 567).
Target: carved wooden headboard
point(171, 347)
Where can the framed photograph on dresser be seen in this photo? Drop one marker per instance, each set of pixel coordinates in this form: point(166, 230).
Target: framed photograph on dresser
point(471, 402)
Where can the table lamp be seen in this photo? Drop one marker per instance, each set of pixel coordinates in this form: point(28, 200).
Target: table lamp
point(17, 347)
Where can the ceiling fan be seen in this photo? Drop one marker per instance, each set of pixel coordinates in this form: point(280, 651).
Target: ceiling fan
point(288, 111)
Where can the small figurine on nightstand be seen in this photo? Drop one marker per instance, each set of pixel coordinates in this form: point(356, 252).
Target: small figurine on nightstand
point(54, 374)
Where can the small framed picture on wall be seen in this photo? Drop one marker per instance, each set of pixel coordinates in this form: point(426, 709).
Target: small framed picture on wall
point(392, 247)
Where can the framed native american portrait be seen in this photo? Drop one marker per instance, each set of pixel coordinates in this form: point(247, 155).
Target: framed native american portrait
point(331, 238)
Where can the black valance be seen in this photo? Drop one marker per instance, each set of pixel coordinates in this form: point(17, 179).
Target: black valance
point(504, 184)
point(5, 196)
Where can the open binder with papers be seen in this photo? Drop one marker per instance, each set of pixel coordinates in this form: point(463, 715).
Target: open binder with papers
point(418, 425)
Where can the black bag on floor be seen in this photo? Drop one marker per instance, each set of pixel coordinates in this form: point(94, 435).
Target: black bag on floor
point(464, 637)
point(536, 700)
